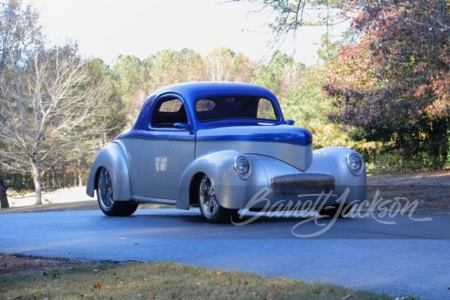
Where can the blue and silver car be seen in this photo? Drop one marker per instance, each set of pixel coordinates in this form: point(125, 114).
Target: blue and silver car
point(216, 146)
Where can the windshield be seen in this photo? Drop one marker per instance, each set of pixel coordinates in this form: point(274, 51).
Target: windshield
point(235, 107)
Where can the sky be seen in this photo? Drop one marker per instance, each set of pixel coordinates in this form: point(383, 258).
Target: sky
point(106, 29)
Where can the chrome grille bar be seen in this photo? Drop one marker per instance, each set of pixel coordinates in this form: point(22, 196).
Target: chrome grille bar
point(298, 184)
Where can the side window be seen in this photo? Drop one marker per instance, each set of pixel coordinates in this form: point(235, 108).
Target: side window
point(266, 110)
point(168, 112)
point(171, 106)
point(204, 105)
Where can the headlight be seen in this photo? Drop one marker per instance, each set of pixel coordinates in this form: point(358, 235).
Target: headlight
point(355, 164)
point(242, 166)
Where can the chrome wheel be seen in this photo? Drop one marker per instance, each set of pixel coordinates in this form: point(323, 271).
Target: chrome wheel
point(208, 201)
point(105, 191)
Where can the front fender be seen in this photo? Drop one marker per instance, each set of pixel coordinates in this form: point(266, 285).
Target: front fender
point(113, 159)
point(231, 191)
point(333, 160)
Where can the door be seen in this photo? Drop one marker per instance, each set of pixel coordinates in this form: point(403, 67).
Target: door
point(161, 153)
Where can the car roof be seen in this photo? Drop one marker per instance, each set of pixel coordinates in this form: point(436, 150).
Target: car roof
point(191, 91)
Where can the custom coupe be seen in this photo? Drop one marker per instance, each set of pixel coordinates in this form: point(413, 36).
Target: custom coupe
point(221, 147)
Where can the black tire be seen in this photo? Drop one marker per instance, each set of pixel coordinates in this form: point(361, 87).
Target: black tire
point(210, 208)
point(105, 197)
point(332, 211)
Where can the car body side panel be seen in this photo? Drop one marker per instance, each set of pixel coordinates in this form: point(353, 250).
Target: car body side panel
point(113, 159)
point(156, 164)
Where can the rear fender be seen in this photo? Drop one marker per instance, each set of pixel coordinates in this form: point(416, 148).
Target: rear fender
point(113, 159)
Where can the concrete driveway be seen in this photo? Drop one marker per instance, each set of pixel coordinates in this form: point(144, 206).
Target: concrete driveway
point(408, 258)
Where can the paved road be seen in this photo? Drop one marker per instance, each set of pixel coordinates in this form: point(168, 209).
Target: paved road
point(409, 258)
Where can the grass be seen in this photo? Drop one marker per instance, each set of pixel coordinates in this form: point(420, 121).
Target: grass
point(163, 281)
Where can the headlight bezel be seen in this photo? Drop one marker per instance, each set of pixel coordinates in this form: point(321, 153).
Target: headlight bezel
point(356, 172)
point(242, 175)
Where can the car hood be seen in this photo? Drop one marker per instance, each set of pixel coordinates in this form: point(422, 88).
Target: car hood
point(290, 144)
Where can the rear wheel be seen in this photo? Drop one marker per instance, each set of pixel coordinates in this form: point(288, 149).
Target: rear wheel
point(210, 208)
point(106, 200)
point(332, 211)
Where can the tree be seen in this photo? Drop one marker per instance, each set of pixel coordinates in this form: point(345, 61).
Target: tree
point(287, 16)
point(280, 75)
point(391, 82)
point(243, 68)
point(169, 67)
point(193, 65)
point(50, 99)
point(15, 42)
point(3, 197)
point(131, 78)
point(394, 84)
point(219, 64)
point(309, 106)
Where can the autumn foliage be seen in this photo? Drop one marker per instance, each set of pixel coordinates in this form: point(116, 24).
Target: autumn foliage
point(393, 83)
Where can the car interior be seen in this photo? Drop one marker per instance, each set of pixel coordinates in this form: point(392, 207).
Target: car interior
point(169, 112)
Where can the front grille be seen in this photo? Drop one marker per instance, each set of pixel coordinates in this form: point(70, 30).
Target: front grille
point(301, 184)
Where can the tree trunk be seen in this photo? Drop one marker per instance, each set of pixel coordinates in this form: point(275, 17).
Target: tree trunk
point(53, 179)
point(440, 144)
point(37, 179)
point(3, 196)
point(80, 178)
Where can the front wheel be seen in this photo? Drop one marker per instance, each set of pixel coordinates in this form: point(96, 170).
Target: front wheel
point(210, 208)
point(105, 197)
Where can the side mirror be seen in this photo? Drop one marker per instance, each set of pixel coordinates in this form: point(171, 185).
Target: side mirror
point(183, 126)
point(290, 122)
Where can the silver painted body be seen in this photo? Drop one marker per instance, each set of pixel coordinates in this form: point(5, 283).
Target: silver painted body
point(161, 171)
point(295, 155)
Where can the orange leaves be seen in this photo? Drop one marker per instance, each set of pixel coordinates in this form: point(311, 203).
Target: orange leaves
point(421, 90)
point(97, 285)
point(121, 284)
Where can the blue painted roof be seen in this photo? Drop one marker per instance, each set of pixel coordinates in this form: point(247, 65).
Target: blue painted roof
point(233, 129)
point(191, 91)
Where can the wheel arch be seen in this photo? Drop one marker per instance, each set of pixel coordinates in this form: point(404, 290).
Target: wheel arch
point(113, 159)
point(193, 188)
point(218, 166)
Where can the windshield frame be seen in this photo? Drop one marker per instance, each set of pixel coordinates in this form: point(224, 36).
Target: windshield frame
point(275, 107)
